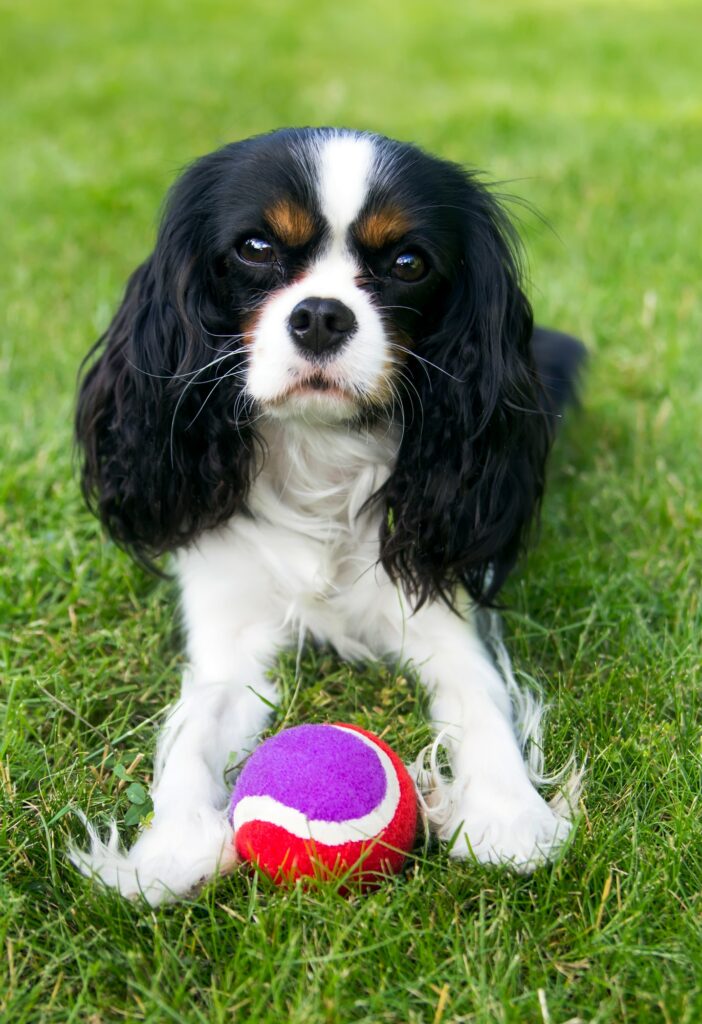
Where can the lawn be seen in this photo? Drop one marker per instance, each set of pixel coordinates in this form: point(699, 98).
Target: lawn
point(591, 112)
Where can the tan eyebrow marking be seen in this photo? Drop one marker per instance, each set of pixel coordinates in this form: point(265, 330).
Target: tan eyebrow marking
point(291, 222)
point(382, 227)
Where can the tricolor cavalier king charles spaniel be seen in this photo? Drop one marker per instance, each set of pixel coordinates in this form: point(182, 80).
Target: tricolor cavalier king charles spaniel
point(323, 393)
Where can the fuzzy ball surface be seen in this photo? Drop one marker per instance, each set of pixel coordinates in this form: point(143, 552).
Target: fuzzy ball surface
point(324, 800)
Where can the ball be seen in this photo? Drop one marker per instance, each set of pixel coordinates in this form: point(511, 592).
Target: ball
point(324, 801)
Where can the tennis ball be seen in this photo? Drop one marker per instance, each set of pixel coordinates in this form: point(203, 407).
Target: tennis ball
point(324, 800)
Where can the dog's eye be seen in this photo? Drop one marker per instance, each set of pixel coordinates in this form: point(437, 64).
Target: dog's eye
point(409, 266)
point(257, 251)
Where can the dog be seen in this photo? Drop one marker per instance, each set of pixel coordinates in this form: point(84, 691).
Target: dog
point(323, 394)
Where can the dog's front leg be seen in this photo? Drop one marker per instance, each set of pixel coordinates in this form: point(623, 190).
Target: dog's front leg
point(225, 701)
point(491, 806)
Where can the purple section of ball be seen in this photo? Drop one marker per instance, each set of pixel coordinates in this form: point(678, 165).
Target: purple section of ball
point(327, 774)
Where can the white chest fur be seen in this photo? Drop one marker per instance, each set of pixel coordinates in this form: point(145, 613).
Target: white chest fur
point(312, 489)
point(306, 558)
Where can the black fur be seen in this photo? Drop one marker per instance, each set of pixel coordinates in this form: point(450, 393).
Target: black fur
point(169, 452)
point(166, 453)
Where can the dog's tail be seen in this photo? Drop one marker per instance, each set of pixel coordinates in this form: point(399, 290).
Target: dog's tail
point(560, 361)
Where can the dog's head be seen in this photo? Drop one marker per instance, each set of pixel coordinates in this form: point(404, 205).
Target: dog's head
point(340, 277)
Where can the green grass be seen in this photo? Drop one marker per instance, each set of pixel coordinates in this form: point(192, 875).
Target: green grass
point(592, 112)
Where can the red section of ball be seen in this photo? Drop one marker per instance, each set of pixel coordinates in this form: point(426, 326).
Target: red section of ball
point(285, 857)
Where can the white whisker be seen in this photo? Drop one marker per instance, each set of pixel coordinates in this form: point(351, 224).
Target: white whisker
point(422, 359)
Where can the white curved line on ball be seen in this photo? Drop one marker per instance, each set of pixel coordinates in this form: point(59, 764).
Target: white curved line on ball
point(329, 833)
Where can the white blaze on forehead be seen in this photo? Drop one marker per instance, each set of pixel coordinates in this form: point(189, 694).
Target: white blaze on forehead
point(345, 165)
point(346, 162)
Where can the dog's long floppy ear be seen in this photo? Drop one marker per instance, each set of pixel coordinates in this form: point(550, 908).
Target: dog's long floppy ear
point(164, 455)
point(470, 471)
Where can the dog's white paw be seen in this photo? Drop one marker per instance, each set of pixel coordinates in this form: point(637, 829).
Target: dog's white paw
point(171, 857)
point(521, 832)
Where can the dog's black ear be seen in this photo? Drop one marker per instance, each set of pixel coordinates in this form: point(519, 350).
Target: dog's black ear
point(164, 454)
point(470, 471)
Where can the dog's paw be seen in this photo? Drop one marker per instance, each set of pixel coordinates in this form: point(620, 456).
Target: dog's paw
point(170, 858)
point(521, 833)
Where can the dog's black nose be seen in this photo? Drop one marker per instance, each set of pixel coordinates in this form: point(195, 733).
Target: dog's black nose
point(320, 326)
